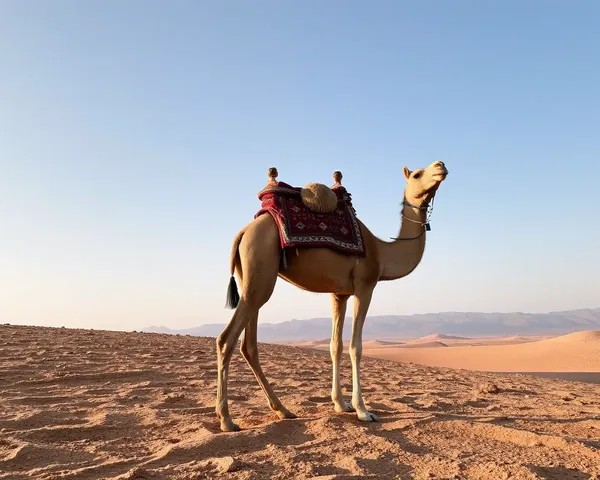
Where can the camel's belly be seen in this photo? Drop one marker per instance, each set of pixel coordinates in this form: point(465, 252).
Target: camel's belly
point(319, 270)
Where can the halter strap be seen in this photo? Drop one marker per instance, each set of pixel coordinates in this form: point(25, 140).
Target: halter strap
point(406, 203)
point(426, 227)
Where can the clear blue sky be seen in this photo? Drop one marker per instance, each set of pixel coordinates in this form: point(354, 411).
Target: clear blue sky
point(134, 137)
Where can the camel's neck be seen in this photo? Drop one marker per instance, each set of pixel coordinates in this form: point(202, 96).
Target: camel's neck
point(401, 257)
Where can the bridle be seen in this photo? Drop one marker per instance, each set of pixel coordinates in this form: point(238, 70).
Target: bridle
point(427, 207)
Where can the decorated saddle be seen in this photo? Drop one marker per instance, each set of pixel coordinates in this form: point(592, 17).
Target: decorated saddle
point(313, 216)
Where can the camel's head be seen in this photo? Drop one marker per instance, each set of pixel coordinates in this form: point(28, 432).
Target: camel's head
point(422, 184)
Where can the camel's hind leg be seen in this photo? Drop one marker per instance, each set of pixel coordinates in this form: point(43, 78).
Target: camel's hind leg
point(225, 346)
point(259, 256)
point(250, 352)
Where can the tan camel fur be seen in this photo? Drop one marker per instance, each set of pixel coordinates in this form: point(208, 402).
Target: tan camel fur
point(256, 257)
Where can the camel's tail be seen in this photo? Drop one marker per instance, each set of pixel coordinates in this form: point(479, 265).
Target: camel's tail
point(233, 296)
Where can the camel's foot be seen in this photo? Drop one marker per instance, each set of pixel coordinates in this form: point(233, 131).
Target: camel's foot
point(366, 416)
point(227, 425)
point(285, 413)
point(341, 407)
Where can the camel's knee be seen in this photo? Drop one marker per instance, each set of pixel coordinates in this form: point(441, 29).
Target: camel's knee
point(224, 348)
point(220, 343)
point(335, 348)
point(355, 353)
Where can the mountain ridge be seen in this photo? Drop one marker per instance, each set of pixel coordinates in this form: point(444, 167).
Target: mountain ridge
point(378, 327)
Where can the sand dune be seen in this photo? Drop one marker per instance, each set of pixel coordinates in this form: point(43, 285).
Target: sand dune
point(441, 336)
point(324, 344)
point(381, 344)
point(386, 342)
point(517, 338)
point(80, 404)
point(427, 341)
point(423, 344)
point(591, 336)
point(576, 352)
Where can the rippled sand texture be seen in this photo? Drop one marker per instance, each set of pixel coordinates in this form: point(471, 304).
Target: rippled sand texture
point(102, 405)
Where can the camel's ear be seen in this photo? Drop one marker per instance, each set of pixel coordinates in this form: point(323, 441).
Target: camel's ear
point(407, 172)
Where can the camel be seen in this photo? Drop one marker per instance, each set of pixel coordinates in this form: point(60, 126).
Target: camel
point(256, 257)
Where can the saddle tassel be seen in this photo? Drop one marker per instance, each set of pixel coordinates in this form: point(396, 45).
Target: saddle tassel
point(284, 259)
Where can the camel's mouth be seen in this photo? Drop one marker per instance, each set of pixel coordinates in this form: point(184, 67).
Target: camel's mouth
point(440, 175)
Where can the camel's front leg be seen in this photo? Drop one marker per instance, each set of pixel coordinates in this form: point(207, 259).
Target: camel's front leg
point(361, 305)
point(338, 307)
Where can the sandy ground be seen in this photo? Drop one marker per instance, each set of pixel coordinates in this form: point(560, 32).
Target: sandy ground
point(106, 405)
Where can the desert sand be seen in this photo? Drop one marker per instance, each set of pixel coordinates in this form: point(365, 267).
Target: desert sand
point(572, 353)
point(111, 405)
point(576, 352)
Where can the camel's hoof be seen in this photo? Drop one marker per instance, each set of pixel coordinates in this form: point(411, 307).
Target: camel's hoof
point(368, 417)
point(229, 426)
point(343, 407)
point(285, 413)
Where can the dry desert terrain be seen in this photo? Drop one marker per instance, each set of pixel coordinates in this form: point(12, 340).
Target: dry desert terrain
point(112, 405)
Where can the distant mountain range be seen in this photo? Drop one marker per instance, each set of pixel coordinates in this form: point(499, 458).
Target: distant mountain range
point(381, 327)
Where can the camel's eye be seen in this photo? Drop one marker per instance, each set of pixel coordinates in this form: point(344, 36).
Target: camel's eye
point(416, 175)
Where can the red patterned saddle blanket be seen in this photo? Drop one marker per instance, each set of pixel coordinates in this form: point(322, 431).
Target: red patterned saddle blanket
point(301, 227)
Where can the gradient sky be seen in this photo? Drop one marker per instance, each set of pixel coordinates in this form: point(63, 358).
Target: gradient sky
point(134, 137)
